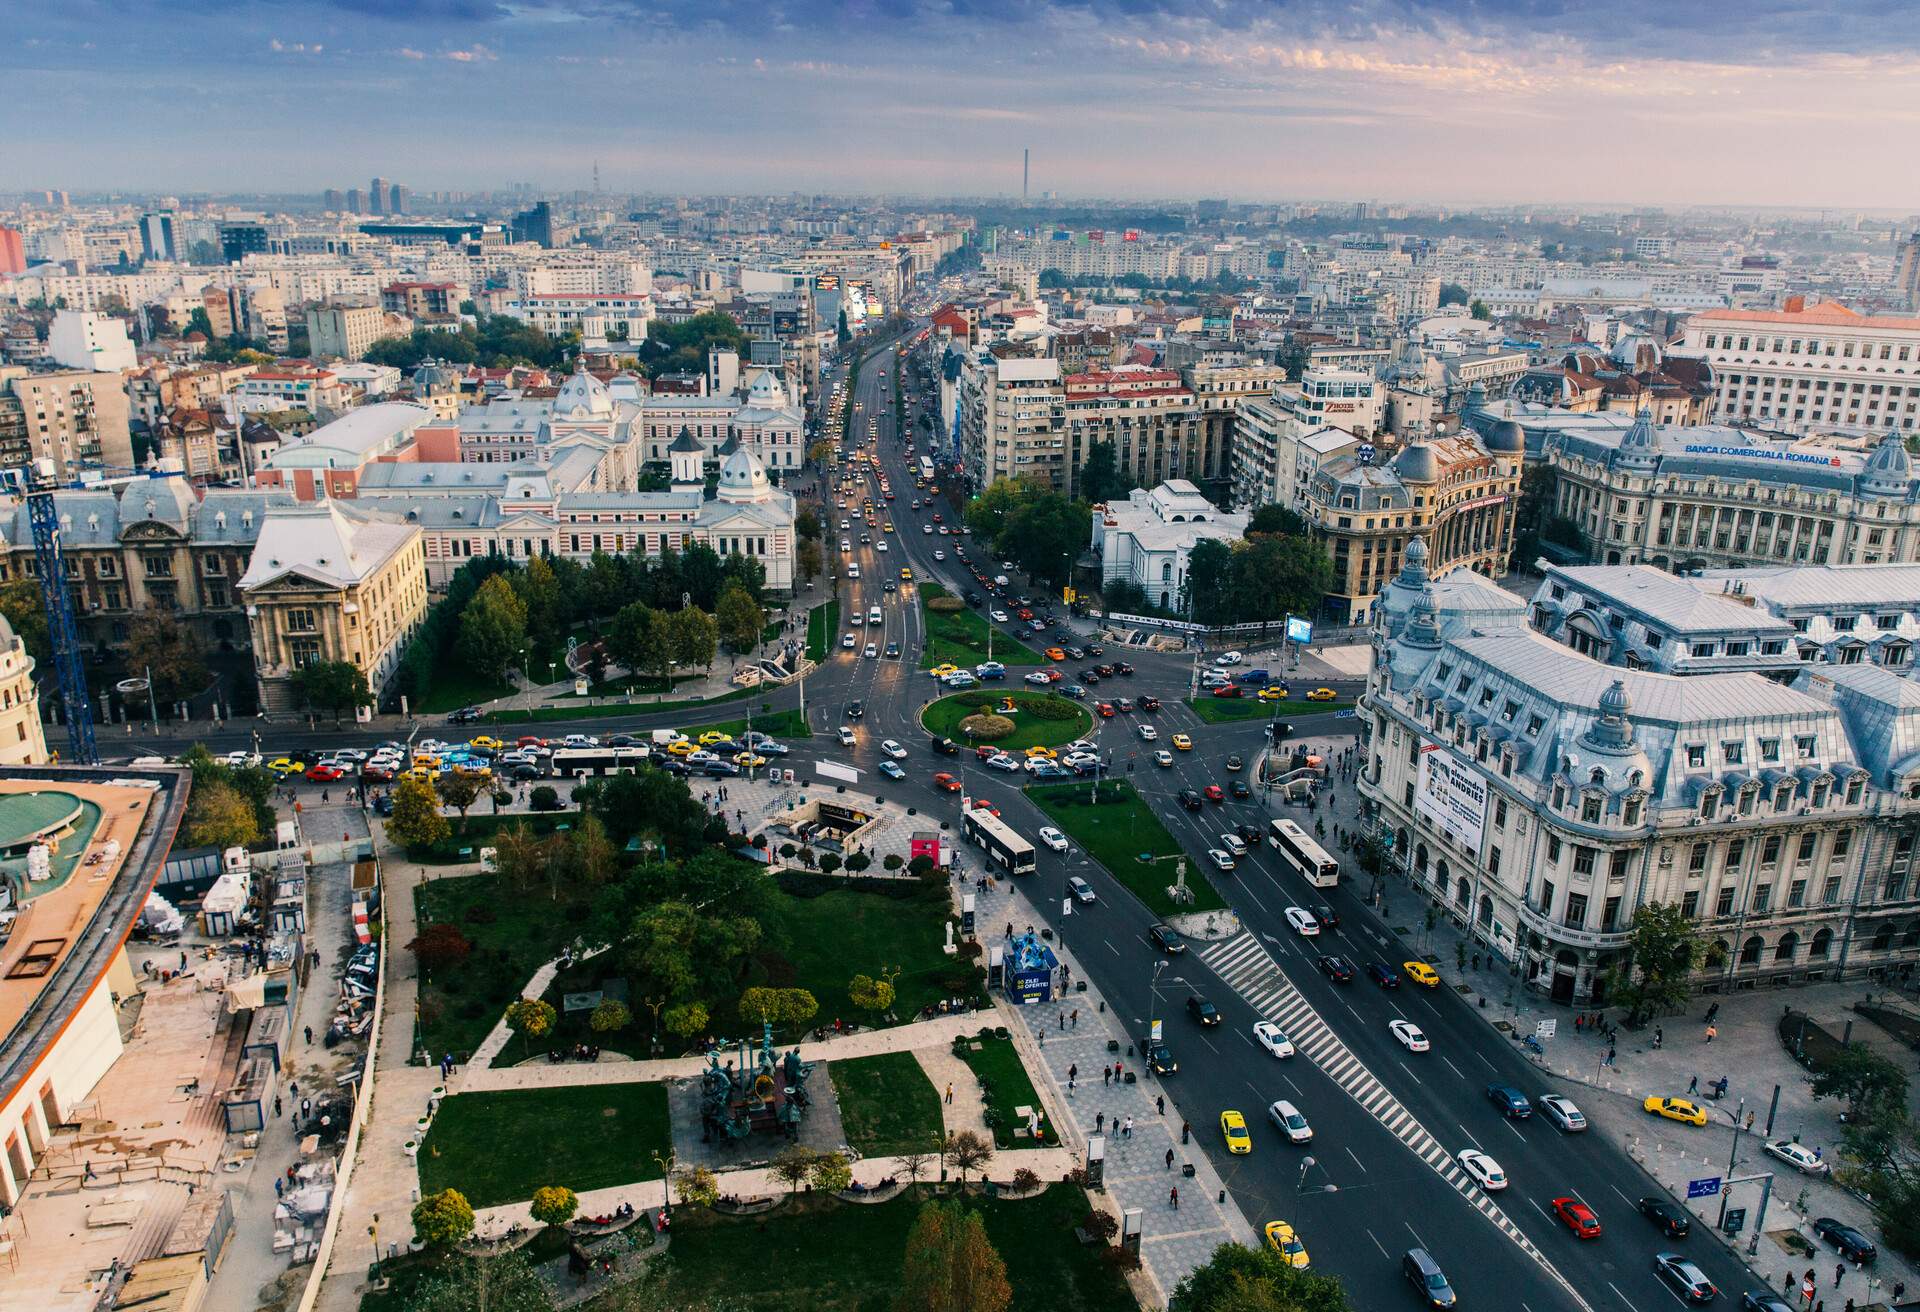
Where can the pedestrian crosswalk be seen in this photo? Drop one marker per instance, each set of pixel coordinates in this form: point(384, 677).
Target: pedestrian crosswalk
point(1245, 966)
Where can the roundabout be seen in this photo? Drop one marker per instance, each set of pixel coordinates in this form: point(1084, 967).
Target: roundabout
point(1038, 719)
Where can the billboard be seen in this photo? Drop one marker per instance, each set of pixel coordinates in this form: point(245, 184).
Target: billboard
point(1299, 630)
point(1452, 796)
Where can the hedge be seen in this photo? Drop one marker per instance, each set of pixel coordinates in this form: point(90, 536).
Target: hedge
point(985, 728)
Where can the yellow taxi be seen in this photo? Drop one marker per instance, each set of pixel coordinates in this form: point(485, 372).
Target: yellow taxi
point(943, 670)
point(487, 741)
point(473, 770)
point(682, 747)
point(1422, 974)
point(420, 773)
point(1282, 1240)
point(747, 760)
point(1676, 1109)
point(425, 761)
point(888, 526)
point(1233, 1128)
point(286, 765)
point(1321, 695)
point(712, 736)
point(1042, 754)
point(1273, 694)
point(1056, 653)
point(1182, 742)
point(906, 574)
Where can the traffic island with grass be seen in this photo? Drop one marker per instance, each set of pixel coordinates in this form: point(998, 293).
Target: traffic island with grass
point(958, 636)
point(1006, 1088)
point(1121, 832)
point(499, 1147)
point(888, 1105)
point(1225, 710)
point(1038, 719)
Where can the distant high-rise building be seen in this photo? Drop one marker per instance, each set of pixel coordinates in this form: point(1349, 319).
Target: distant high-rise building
point(334, 200)
point(396, 198)
point(1906, 270)
point(535, 224)
point(377, 194)
point(356, 201)
point(160, 236)
point(13, 252)
point(238, 240)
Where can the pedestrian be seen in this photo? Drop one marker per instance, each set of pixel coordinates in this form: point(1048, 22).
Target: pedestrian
point(183, 963)
point(1749, 1122)
point(1009, 929)
point(1839, 1273)
point(1063, 1022)
point(1073, 1070)
point(1070, 1086)
point(1806, 1291)
point(949, 1094)
point(309, 1035)
point(1128, 1132)
point(1711, 1031)
point(1186, 1132)
point(1693, 1084)
point(1173, 1198)
point(1100, 1123)
point(1076, 1018)
point(1169, 1159)
point(306, 1109)
point(1712, 1011)
point(1609, 1054)
point(1659, 1036)
point(1116, 1071)
point(87, 1173)
point(278, 1185)
point(1106, 1076)
point(276, 1105)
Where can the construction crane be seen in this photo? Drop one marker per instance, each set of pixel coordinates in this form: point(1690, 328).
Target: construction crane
point(63, 634)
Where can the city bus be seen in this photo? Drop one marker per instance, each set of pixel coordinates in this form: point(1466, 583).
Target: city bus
point(926, 469)
point(995, 836)
point(575, 762)
point(1305, 855)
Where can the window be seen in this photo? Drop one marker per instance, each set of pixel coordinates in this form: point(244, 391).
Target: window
point(1553, 849)
point(1723, 905)
point(1797, 893)
point(1696, 756)
point(1630, 811)
point(1610, 918)
point(1854, 787)
point(1493, 863)
point(1733, 753)
point(1690, 904)
point(1762, 895)
point(1583, 860)
point(1803, 746)
point(1508, 711)
point(1770, 851)
point(1769, 749)
point(1736, 853)
point(1697, 858)
point(1806, 847)
point(1576, 908)
point(300, 621)
point(1500, 813)
point(1546, 897)
point(1617, 866)
point(1830, 892)
point(1534, 725)
point(1842, 843)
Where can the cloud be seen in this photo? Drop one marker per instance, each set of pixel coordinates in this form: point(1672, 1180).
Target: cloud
point(474, 54)
point(408, 52)
point(294, 47)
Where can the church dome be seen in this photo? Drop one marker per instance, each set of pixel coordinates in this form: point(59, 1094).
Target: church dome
point(433, 376)
point(1889, 469)
point(1506, 438)
point(583, 397)
point(1418, 463)
point(1637, 352)
point(743, 479)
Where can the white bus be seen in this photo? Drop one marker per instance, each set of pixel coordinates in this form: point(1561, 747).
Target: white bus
point(926, 468)
point(575, 762)
point(988, 831)
point(1305, 855)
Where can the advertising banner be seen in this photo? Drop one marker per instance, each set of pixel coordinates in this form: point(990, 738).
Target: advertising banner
point(1452, 796)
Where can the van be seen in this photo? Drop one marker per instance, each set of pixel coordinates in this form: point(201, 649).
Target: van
point(873, 615)
point(1425, 1275)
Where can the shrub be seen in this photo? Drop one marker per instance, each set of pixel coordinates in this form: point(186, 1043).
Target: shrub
point(945, 605)
point(892, 861)
point(976, 699)
point(986, 728)
point(858, 862)
point(544, 798)
point(1050, 708)
point(1120, 1259)
point(1024, 1180)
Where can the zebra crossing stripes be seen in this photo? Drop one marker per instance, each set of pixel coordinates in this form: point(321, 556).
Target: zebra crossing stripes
point(1245, 966)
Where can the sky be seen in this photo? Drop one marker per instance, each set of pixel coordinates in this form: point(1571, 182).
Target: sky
point(1656, 102)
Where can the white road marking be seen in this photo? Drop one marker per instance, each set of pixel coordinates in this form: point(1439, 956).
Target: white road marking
point(1456, 1070)
point(1623, 1298)
point(1377, 1244)
point(1410, 1075)
point(1356, 1159)
point(1516, 1134)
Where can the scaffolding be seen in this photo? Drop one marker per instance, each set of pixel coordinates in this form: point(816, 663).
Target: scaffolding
point(62, 632)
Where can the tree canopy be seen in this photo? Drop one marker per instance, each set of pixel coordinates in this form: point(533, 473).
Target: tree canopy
point(1663, 950)
point(1242, 1279)
point(495, 341)
point(950, 1265)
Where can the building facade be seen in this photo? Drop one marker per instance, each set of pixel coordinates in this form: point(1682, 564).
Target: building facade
point(343, 332)
point(1012, 415)
point(74, 419)
point(1810, 368)
point(1147, 539)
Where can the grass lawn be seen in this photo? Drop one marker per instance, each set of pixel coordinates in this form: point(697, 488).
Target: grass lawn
point(847, 1257)
point(887, 1103)
point(641, 685)
point(1007, 1086)
point(846, 932)
point(480, 828)
point(942, 719)
point(455, 686)
point(961, 637)
point(1115, 831)
point(1219, 710)
point(500, 1147)
point(823, 628)
point(511, 939)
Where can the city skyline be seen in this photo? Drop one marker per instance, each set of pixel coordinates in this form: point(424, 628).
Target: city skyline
point(1464, 104)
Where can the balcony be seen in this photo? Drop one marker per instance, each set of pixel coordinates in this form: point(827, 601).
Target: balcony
point(1568, 936)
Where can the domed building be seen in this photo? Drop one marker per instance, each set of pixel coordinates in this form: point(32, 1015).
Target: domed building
point(22, 740)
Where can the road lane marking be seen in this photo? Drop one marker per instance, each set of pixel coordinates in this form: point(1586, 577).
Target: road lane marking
point(1356, 1159)
point(1516, 1134)
point(1622, 1297)
point(1456, 1070)
point(1377, 1244)
point(1410, 1075)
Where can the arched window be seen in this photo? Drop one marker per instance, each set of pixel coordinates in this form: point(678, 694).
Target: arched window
point(1420, 858)
point(1717, 952)
point(1822, 944)
point(1486, 911)
point(1750, 951)
point(1597, 775)
point(1460, 892)
point(1441, 873)
point(1784, 950)
point(1882, 936)
point(1912, 937)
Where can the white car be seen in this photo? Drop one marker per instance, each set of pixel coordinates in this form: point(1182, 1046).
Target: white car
point(1288, 1120)
point(872, 651)
point(939, 555)
point(1221, 860)
point(1163, 757)
point(1303, 922)
point(353, 754)
point(893, 749)
point(241, 760)
point(881, 545)
point(960, 679)
point(1229, 658)
point(1234, 844)
point(999, 616)
point(1409, 1035)
point(1053, 838)
point(1040, 678)
point(1081, 889)
point(1149, 734)
point(1072, 759)
point(581, 740)
point(1272, 1038)
point(984, 668)
point(1561, 1112)
point(927, 529)
point(846, 736)
point(849, 643)
point(891, 770)
point(1798, 1156)
point(1485, 1171)
point(1004, 762)
point(700, 757)
point(853, 571)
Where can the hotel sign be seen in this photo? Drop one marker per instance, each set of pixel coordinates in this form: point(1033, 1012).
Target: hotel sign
point(1762, 453)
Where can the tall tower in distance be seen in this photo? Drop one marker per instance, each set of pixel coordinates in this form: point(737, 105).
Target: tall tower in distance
point(1026, 163)
point(378, 194)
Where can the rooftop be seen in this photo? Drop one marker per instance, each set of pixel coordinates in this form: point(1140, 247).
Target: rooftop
point(1677, 604)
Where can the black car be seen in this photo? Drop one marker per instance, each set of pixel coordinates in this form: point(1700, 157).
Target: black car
point(1121, 667)
point(383, 805)
point(973, 598)
point(720, 769)
point(675, 765)
point(1674, 1221)
point(1203, 1011)
point(1089, 677)
point(1191, 800)
point(945, 746)
point(1383, 975)
point(1104, 671)
point(1249, 834)
point(1684, 1276)
point(1095, 649)
point(1328, 918)
point(522, 771)
point(1160, 1059)
point(1167, 939)
point(1336, 968)
point(893, 650)
point(855, 710)
point(1235, 762)
point(1846, 1241)
point(1149, 703)
point(1238, 787)
point(623, 740)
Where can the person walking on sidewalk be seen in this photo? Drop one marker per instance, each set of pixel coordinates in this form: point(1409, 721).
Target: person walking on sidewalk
point(949, 1094)
point(1173, 1198)
point(1160, 1102)
point(1169, 1159)
point(1693, 1083)
point(1106, 1076)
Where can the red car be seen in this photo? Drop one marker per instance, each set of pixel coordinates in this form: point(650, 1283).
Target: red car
point(985, 753)
point(325, 774)
point(1227, 690)
point(1577, 1217)
point(1105, 709)
point(1024, 613)
point(530, 741)
point(946, 783)
point(982, 804)
point(1213, 793)
point(379, 774)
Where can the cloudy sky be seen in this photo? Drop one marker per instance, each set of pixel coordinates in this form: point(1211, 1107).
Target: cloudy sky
point(1648, 101)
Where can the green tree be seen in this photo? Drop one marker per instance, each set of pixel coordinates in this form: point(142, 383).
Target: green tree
point(1663, 951)
point(442, 1220)
point(679, 952)
point(218, 815)
point(778, 1006)
point(1100, 477)
point(460, 1282)
point(794, 1164)
point(554, 1204)
point(531, 1018)
point(493, 629)
point(1277, 520)
point(1479, 309)
point(641, 638)
point(843, 334)
point(830, 1173)
point(806, 524)
point(611, 1015)
point(172, 653)
point(539, 592)
point(333, 685)
point(26, 610)
point(1242, 1279)
point(966, 1151)
point(950, 1265)
point(697, 1186)
point(1873, 1085)
point(988, 513)
point(740, 621)
point(416, 820)
point(810, 560)
point(685, 1019)
point(1209, 576)
point(870, 994)
point(1045, 536)
point(695, 637)
point(459, 789)
point(1273, 577)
